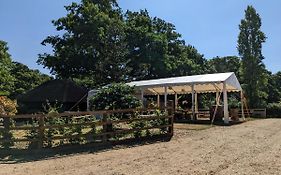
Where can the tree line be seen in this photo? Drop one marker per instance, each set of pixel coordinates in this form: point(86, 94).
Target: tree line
point(16, 78)
point(100, 44)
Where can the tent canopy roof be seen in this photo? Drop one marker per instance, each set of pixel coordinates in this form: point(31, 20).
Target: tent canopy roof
point(183, 85)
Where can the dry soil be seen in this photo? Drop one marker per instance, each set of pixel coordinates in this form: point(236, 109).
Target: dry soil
point(253, 147)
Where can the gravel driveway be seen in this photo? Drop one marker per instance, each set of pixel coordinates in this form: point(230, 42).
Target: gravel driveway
point(253, 147)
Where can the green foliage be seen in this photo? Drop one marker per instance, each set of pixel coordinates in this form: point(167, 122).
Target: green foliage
point(138, 125)
point(150, 123)
point(52, 117)
point(102, 45)
point(16, 78)
point(274, 88)
point(225, 64)
point(26, 79)
point(273, 110)
point(114, 96)
point(6, 79)
point(254, 75)
point(160, 122)
point(233, 102)
point(156, 50)
point(93, 45)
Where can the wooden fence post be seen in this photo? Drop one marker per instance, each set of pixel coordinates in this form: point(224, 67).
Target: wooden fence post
point(6, 124)
point(171, 127)
point(104, 128)
point(41, 129)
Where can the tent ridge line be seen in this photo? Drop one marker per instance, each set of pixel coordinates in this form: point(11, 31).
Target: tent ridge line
point(178, 84)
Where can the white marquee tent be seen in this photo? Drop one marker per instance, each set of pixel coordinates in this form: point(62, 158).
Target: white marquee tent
point(208, 83)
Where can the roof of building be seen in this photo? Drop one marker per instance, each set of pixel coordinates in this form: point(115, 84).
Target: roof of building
point(63, 91)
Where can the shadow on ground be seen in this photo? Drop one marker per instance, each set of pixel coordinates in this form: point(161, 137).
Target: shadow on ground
point(208, 122)
point(14, 156)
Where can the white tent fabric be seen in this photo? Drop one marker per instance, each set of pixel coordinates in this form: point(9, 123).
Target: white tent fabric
point(207, 83)
point(183, 85)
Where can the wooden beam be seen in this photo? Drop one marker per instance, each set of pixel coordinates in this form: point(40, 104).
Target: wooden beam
point(225, 104)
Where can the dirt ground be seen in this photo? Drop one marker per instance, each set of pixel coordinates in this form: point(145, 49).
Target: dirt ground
point(253, 147)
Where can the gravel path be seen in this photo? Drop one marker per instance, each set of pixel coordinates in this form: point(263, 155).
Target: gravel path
point(250, 148)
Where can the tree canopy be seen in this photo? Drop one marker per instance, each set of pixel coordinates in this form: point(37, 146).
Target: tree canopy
point(101, 45)
point(115, 96)
point(25, 79)
point(93, 44)
point(6, 79)
point(156, 50)
point(225, 64)
point(274, 88)
point(16, 78)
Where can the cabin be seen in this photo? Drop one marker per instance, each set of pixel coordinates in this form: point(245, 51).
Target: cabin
point(64, 93)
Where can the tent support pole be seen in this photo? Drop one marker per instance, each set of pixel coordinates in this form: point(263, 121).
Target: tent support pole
point(165, 97)
point(176, 101)
point(193, 112)
point(225, 105)
point(216, 108)
point(196, 105)
point(242, 105)
point(217, 96)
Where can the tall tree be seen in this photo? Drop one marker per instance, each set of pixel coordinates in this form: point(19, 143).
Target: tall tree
point(93, 44)
point(156, 49)
point(6, 79)
point(254, 75)
point(102, 45)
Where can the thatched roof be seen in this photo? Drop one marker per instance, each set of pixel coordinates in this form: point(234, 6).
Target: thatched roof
point(63, 91)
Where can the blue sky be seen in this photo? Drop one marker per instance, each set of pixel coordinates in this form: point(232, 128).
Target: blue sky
point(211, 26)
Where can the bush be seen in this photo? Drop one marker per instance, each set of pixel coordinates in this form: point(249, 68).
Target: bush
point(150, 123)
point(52, 117)
point(7, 106)
point(273, 110)
point(115, 96)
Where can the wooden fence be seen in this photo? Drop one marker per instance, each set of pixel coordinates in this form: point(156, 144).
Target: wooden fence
point(142, 120)
point(254, 112)
point(205, 113)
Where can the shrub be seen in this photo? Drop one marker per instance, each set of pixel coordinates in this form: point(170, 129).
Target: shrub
point(52, 117)
point(150, 123)
point(115, 96)
point(233, 102)
point(7, 106)
point(273, 110)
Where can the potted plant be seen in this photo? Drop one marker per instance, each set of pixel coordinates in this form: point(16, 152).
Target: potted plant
point(234, 105)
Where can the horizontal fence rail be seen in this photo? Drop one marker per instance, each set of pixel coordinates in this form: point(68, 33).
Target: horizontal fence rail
point(207, 114)
point(47, 130)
